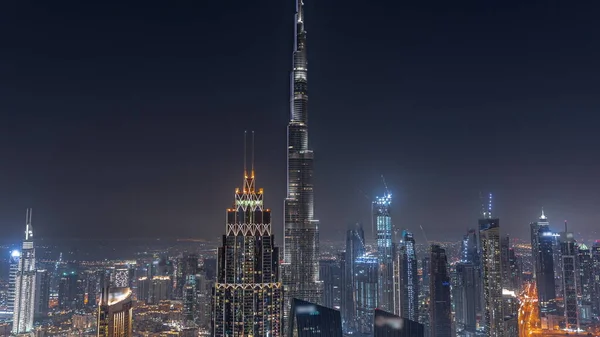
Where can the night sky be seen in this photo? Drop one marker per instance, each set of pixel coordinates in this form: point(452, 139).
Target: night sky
point(126, 118)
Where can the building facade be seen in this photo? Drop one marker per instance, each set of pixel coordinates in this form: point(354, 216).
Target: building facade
point(489, 236)
point(440, 306)
point(543, 264)
point(410, 278)
point(247, 294)
point(568, 251)
point(355, 247)
point(24, 309)
point(115, 312)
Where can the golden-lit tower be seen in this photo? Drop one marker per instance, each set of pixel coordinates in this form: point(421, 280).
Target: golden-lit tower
point(115, 312)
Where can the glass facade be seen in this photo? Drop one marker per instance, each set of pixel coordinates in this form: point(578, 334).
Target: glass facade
point(366, 292)
point(390, 325)
point(489, 236)
point(312, 320)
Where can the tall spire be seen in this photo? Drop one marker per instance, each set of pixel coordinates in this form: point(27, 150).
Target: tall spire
point(543, 216)
point(28, 227)
point(301, 231)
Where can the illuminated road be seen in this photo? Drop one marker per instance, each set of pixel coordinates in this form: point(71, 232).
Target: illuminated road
point(529, 322)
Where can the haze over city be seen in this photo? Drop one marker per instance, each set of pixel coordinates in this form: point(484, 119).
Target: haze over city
point(129, 115)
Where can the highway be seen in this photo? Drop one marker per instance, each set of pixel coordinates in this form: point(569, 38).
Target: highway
point(529, 321)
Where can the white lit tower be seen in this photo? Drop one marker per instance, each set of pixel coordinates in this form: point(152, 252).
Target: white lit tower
point(25, 283)
point(301, 230)
point(384, 235)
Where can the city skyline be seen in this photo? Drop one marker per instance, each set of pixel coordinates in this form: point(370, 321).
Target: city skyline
point(105, 117)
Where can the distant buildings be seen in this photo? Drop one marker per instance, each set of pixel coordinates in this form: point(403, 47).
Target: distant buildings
point(24, 308)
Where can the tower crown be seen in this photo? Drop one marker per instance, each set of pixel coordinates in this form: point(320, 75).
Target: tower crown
point(28, 227)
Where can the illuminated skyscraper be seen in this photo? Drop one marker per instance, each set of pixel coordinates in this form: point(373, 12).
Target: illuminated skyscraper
point(115, 312)
point(410, 278)
point(248, 295)
point(569, 278)
point(390, 325)
point(301, 231)
point(465, 300)
point(365, 287)
point(596, 278)
point(384, 230)
point(25, 284)
point(13, 266)
point(542, 243)
point(489, 236)
point(355, 247)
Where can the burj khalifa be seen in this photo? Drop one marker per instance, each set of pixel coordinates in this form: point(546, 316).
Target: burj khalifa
point(301, 230)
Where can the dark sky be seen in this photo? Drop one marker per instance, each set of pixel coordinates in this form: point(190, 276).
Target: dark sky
point(126, 118)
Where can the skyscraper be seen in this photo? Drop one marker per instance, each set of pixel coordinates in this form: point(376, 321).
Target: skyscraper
point(115, 312)
point(301, 230)
point(384, 230)
point(248, 295)
point(465, 301)
point(440, 307)
point(489, 236)
point(42, 292)
point(355, 247)
point(365, 287)
point(569, 278)
point(543, 257)
point(596, 278)
point(410, 278)
point(586, 276)
point(25, 284)
point(13, 266)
